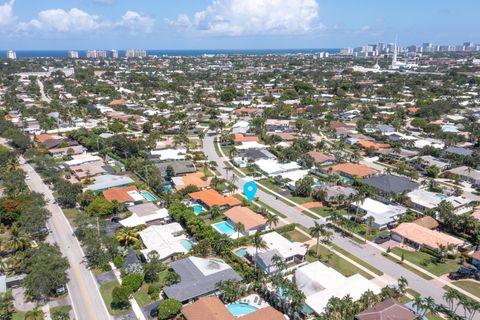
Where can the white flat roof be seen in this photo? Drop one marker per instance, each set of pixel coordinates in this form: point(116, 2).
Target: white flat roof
point(162, 239)
point(134, 220)
point(286, 248)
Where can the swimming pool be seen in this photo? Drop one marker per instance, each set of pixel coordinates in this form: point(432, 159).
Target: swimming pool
point(224, 227)
point(147, 195)
point(241, 309)
point(197, 209)
point(440, 196)
point(242, 252)
point(187, 244)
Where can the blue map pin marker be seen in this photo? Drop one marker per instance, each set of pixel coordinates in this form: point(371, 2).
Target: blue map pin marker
point(250, 189)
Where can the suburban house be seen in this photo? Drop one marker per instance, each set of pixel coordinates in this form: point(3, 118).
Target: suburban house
point(383, 214)
point(167, 240)
point(250, 220)
point(198, 278)
point(350, 170)
point(240, 127)
point(109, 181)
point(192, 179)
point(388, 184)
point(422, 200)
point(466, 174)
point(212, 308)
point(421, 163)
point(278, 245)
point(252, 155)
point(145, 213)
point(321, 159)
point(427, 222)
point(278, 125)
point(475, 258)
point(273, 168)
point(88, 170)
point(66, 151)
point(168, 154)
point(319, 283)
point(332, 193)
point(125, 195)
point(417, 237)
point(211, 197)
point(180, 167)
point(387, 309)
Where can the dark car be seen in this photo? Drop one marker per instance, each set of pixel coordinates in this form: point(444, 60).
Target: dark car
point(465, 273)
point(382, 239)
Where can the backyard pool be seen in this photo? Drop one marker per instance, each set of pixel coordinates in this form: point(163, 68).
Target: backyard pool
point(147, 195)
point(241, 309)
point(440, 196)
point(187, 244)
point(242, 252)
point(224, 227)
point(197, 209)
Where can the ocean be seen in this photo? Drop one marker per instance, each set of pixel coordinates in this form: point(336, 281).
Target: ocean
point(82, 53)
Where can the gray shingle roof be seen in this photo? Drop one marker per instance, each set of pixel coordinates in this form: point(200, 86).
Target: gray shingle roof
point(390, 183)
point(196, 282)
point(459, 151)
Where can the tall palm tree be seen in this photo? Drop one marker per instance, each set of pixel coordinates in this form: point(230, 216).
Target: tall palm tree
point(450, 296)
point(370, 221)
point(272, 220)
point(12, 164)
point(402, 285)
point(35, 314)
point(127, 236)
point(239, 227)
point(259, 244)
point(17, 241)
point(317, 231)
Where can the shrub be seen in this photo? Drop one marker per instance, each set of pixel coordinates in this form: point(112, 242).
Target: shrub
point(154, 291)
point(118, 261)
point(132, 281)
point(169, 309)
point(120, 297)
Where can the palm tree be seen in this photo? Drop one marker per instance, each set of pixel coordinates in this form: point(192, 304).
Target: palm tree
point(11, 165)
point(228, 169)
point(402, 285)
point(6, 304)
point(127, 236)
point(35, 314)
point(259, 244)
point(239, 227)
point(17, 241)
point(429, 305)
point(450, 296)
point(272, 220)
point(370, 221)
point(233, 153)
point(215, 212)
point(317, 231)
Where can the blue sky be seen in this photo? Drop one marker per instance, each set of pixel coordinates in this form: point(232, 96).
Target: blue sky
point(233, 24)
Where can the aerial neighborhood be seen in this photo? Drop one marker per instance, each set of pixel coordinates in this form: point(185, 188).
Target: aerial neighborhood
point(122, 186)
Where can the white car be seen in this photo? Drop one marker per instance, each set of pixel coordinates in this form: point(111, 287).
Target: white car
point(27, 177)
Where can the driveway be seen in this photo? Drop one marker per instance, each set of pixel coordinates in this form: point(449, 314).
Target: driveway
point(19, 300)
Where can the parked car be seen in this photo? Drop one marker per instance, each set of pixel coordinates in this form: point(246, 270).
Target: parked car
point(382, 239)
point(465, 273)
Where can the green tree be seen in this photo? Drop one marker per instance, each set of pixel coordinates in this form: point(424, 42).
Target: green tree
point(303, 187)
point(67, 193)
point(6, 305)
point(100, 207)
point(120, 297)
point(169, 309)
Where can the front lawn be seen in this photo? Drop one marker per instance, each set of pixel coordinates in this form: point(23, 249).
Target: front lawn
point(326, 211)
point(330, 259)
point(427, 262)
point(106, 291)
point(72, 215)
point(295, 235)
point(470, 286)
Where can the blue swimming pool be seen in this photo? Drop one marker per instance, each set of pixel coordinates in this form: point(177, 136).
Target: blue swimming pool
point(224, 227)
point(241, 309)
point(242, 252)
point(187, 244)
point(147, 195)
point(440, 196)
point(197, 209)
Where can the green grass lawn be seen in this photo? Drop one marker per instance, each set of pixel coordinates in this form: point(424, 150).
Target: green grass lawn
point(326, 211)
point(421, 274)
point(142, 296)
point(106, 291)
point(270, 185)
point(65, 308)
point(332, 260)
point(357, 260)
point(278, 213)
point(469, 286)
point(295, 235)
point(72, 215)
point(427, 262)
point(18, 315)
point(300, 200)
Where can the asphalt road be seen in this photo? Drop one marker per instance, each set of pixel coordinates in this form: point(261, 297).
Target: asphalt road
point(82, 287)
point(366, 252)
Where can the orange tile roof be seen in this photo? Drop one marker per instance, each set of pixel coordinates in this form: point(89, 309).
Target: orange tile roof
point(118, 102)
point(44, 137)
point(413, 109)
point(245, 216)
point(210, 308)
point(268, 313)
point(193, 179)
point(119, 194)
point(373, 145)
point(246, 110)
point(424, 236)
point(352, 169)
point(212, 198)
point(238, 137)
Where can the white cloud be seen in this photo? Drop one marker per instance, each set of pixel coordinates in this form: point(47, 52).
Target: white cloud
point(136, 22)
point(74, 20)
point(6, 14)
point(248, 17)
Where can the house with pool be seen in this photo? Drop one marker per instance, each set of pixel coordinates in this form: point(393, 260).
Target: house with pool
point(145, 213)
point(251, 221)
point(210, 197)
point(291, 253)
point(167, 240)
point(212, 308)
point(198, 278)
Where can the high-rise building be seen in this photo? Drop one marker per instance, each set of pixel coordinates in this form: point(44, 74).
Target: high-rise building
point(114, 53)
point(101, 54)
point(11, 54)
point(427, 47)
point(135, 53)
point(96, 54)
point(73, 54)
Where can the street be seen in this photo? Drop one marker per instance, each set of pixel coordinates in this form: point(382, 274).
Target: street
point(368, 253)
point(83, 289)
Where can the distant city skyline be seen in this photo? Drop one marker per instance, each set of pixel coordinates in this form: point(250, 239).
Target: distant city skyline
point(232, 24)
